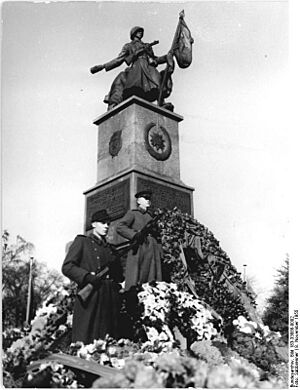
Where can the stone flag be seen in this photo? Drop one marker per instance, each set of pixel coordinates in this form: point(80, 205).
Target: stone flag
point(183, 43)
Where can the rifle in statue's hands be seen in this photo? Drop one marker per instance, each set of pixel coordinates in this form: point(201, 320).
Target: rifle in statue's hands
point(132, 57)
point(128, 59)
point(85, 293)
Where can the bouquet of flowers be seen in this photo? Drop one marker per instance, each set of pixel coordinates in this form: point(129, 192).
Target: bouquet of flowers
point(216, 280)
point(10, 335)
point(174, 370)
point(52, 320)
point(258, 344)
point(166, 307)
point(51, 375)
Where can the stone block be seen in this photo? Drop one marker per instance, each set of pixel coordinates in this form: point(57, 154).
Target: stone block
point(138, 148)
point(140, 135)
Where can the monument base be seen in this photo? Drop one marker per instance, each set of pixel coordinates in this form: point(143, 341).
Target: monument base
point(118, 196)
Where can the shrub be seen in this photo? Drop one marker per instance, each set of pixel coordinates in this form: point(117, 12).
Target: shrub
point(204, 350)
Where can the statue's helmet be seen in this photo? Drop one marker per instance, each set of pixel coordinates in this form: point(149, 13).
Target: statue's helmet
point(134, 30)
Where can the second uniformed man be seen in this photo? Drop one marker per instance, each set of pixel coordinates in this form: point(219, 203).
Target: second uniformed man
point(144, 264)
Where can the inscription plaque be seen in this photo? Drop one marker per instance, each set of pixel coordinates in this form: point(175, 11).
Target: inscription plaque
point(164, 196)
point(115, 199)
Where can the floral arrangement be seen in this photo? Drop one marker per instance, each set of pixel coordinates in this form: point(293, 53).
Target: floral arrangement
point(139, 368)
point(204, 350)
point(10, 335)
point(246, 326)
point(165, 307)
point(108, 352)
point(258, 344)
point(155, 363)
point(52, 321)
point(247, 357)
point(178, 371)
point(216, 280)
point(51, 375)
point(258, 330)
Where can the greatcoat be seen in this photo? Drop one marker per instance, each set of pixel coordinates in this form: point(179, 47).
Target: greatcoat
point(100, 317)
point(144, 265)
point(141, 78)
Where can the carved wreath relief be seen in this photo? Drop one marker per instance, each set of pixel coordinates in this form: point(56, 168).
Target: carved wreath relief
point(157, 141)
point(115, 143)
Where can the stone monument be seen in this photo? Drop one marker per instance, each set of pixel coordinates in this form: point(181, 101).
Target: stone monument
point(138, 141)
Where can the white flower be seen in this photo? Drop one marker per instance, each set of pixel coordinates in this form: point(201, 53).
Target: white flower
point(104, 358)
point(111, 350)
point(245, 326)
point(117, 363)
point(247, 329)
point(82, 354)
point(254, 324)
point(159, 301)
point(86, 350)
point(100, 344)
point(69, 319)
point(166, 334)
point(91, 347)
point(56, 366)
point(39, 324)
point(63, 291)
point(152, 334)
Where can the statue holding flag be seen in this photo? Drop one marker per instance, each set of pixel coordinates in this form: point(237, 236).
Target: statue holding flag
point(141, 77)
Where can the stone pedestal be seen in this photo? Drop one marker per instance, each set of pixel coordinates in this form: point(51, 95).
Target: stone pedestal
point(138, 148)
point(138, 135)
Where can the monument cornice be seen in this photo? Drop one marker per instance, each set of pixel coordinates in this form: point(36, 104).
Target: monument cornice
point(140, 172)
point(136, 100)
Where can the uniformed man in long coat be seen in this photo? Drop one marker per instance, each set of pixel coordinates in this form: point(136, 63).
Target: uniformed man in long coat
point(86, 256)
point(144, 264)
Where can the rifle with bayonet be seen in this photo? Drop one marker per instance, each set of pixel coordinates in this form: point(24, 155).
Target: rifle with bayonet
point(140, 236)
point(129, 59)
point(85, 293)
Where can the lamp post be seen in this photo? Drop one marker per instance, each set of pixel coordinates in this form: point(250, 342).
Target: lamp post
point(244, 265)
point(29, 293)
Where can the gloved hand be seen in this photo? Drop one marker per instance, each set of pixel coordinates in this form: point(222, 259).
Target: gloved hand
point(92, 279)
point(134, 58)
point(97, 68)
point(138, 237)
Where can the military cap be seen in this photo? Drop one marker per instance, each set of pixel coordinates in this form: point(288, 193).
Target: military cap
point(134, 30)
point(100, 216)
point(143, 194)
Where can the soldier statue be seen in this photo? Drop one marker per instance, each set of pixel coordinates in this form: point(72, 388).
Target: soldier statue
point(141, 77)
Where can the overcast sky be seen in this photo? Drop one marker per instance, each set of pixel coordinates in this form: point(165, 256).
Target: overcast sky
point(236, 147)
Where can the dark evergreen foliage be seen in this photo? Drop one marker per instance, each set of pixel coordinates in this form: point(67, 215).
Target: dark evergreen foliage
point(276, 314)
point(208, 267)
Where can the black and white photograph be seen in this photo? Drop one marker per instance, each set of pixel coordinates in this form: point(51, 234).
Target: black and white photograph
point(149, 194)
